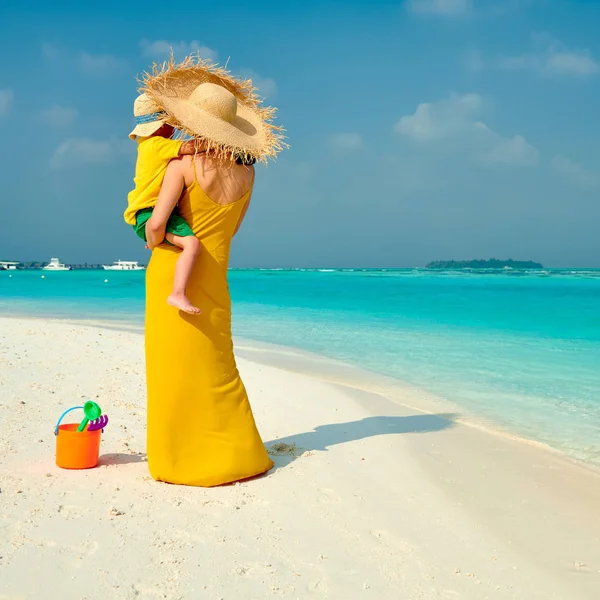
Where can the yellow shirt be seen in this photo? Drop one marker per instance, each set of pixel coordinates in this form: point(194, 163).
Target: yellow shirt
point(154, 154)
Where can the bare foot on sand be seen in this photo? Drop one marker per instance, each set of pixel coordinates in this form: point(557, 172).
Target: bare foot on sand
point(182, 303)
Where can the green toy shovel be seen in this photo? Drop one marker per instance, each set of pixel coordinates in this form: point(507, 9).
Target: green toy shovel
point(92, 411)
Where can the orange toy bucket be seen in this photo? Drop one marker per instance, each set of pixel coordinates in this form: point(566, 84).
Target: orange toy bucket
point(76, 449)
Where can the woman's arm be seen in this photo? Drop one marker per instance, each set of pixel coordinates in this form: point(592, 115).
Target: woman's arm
point(170, 191)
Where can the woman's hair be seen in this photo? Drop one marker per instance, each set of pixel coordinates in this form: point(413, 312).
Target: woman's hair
point(248, 160)
point(238, 159)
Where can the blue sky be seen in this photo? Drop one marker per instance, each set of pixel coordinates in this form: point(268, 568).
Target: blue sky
point(419, 130)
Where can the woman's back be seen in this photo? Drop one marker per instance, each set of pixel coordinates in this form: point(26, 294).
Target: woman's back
point(223, 182)
point(214, 201)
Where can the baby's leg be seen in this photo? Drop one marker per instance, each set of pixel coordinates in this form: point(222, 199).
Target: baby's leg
point(190, 247)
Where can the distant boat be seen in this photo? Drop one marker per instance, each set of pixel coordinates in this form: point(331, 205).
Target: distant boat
point(56, 265)
point(7, 265)
point(123, 265)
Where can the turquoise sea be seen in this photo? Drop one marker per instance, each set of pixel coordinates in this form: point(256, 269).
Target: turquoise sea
point(520, 350)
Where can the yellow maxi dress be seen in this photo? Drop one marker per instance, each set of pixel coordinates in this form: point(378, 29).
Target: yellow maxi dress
point(201, 430)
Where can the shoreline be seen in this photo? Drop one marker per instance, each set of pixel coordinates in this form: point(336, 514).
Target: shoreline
point(322, 368)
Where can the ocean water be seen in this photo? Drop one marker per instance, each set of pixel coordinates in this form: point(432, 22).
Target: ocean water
point(520, 350)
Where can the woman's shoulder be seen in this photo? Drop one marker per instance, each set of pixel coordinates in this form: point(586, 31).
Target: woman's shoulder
point(242, 171)
point(224, 182)
point(241, 176)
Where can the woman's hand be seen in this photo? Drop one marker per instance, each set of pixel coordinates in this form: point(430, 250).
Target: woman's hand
point(155, 233)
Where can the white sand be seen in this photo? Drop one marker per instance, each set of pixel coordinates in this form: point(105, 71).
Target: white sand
point(376, 500)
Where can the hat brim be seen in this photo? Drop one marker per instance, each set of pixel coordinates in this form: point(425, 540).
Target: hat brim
point(250, 134)
point(146, 129)
point(245, 134)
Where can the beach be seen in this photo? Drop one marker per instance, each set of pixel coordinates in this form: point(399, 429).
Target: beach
point(371, 497)
point(517, 351)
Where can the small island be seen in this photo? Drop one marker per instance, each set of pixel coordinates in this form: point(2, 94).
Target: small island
point(492, 263)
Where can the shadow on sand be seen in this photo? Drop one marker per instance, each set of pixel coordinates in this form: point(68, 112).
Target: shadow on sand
point(121, 459)
point(325, 436)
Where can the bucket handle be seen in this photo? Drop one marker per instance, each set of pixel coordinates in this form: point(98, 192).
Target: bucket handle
point(63, 416)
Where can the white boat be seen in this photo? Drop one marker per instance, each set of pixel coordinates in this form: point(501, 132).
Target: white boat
point(123, 265)
point(8, 265)
point(56, 265)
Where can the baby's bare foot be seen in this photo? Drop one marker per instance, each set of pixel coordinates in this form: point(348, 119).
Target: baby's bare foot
point(182, 303)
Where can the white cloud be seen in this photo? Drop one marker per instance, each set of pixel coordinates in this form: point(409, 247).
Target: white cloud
point(50, 51)
point(266, 86)
point(454, 125)
point(474, 61)
point(100, 64)
point(549, 57)
point(440, 7)
point(453, 8)
point(508, 151)
point(6, 100)
point(158, 49)
point(577, 62)
point(80, 150)
point(346, 142)
point(443, 119)
point(92, 64)
point(575, 173)
point(58, 116)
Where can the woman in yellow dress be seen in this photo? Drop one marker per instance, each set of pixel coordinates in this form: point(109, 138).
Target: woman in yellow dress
point(201, 430)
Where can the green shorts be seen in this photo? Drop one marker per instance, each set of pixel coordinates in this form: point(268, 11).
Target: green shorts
point(176, 224)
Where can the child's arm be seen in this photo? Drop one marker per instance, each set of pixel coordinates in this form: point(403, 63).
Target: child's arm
point(170, 191)
point(192, 147)
point(188, 147)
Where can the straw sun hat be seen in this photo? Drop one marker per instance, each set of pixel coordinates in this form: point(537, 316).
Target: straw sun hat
point(206, 102)
point(148, 117)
